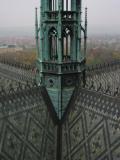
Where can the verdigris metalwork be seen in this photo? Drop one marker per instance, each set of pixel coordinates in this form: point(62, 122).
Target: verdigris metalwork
point(58, 126)
point(60, 60)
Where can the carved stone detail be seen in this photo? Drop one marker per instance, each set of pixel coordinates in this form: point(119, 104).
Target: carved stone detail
point(97, 144)
point(12, 144)
point(35, 135)
point(116, 153)
point(76, 133)
point(114, 131)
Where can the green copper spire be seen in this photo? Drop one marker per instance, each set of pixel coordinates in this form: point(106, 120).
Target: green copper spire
point(60, 61)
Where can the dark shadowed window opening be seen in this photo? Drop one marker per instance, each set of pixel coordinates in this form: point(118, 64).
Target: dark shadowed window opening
point(53, 44)
point(53, 5)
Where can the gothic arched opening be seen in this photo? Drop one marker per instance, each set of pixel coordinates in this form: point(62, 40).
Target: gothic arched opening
point(67, 42)
point(53, 44)
point(53, 5)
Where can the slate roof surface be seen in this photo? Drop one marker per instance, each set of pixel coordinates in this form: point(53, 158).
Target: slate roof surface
point(90, 127)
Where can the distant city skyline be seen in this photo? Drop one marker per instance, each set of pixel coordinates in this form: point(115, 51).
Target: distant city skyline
point(103, 16)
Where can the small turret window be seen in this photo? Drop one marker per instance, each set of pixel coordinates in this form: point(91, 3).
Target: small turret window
point(53, 44)
point(67, 43)
point(53, 5)
point(67, 5)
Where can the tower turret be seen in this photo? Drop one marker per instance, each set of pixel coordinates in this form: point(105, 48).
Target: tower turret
point(60, 61)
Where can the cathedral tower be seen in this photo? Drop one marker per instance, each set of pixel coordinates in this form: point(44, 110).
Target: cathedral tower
point(60, 60)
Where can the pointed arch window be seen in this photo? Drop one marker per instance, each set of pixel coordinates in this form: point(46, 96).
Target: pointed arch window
point(53, 44)
point(67, 5)
point(67, 42)
point(53, 5)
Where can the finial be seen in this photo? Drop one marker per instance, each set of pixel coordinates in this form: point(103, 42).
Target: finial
point(86, 16)
point(36, 24)
point(36, 18)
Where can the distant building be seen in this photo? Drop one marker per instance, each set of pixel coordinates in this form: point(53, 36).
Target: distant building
point(3, 46)
point(10, 48)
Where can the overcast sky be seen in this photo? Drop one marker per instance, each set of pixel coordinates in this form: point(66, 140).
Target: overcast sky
point(103, 15)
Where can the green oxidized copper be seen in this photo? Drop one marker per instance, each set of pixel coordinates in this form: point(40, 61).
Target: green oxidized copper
point(60, 60)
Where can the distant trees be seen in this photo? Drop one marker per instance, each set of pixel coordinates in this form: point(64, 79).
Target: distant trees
point(26, 56)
